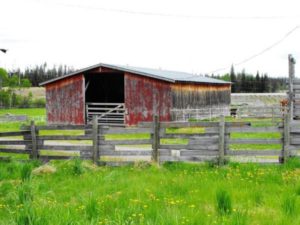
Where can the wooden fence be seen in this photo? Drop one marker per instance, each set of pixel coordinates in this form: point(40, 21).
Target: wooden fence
point(159, 141)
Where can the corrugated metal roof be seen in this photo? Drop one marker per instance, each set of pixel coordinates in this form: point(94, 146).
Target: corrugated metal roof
point(166, 75)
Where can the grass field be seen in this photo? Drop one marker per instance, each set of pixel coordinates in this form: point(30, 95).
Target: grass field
point(178, 193)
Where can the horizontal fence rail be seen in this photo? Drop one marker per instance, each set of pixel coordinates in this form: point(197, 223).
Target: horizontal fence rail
point(157, 141)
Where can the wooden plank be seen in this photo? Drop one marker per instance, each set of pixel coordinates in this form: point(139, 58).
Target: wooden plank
point(295, 141)
point(54, 157)
point(296, 87)
point(187, 136)
point(64, 137)
point(127, 130)
point(180, 124)
point(173, 147)
point(59, 127)
point(14, 142)
point(11, 150)
point(296, 81)
point(198, 153)
point(254, 153)
point(128, 142)
point(14, 133)
point(65, 147)
point(186, 158)
point(115, 163)
point(203, 141)
point(253, 129)
point(212, 130)
point(211, 147)
point(106, 147)
point(127, 153)
point(254, 141)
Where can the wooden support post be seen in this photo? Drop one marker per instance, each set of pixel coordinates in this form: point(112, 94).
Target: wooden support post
point(291, 80)
point(155, 138)
point(285, 153)
point(34, 150)
point(95, 140)
point(222, 140)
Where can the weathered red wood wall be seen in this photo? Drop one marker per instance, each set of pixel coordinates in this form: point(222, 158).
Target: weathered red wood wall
point(65, 101)
point(145, 97)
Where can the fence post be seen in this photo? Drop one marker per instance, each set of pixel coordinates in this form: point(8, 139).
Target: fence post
point(95, 140)
point(285, 154)
point(34, 150)
point(222, 140)
point(155, 139)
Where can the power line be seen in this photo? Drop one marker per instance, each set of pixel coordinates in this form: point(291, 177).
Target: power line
point(184, 16)
point(261, 52)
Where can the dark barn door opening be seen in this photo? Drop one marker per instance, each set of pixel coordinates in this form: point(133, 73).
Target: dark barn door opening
point(104, 97)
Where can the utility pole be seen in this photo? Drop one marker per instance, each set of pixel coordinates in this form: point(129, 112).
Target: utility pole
point(292, 63)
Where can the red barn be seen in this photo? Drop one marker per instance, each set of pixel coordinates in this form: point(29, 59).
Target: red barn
point(128, 95)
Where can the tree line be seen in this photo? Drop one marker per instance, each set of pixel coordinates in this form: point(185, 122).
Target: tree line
point(40, 73)
point(243, 82)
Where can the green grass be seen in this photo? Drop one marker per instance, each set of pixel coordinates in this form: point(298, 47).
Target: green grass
point(174, 193)
point(25, 111)
point(14, 126)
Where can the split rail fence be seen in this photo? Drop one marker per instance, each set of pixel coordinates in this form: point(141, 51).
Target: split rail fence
point(159, 141)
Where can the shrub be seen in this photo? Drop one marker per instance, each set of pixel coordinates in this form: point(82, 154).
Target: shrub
point(223, 202)
point(39, 103)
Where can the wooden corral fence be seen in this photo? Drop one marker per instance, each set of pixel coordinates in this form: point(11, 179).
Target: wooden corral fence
point(13, 118)
point(212, 140)
point(273, 112)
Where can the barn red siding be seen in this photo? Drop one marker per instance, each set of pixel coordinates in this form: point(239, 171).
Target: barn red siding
point(145, 97)
point(65, 101)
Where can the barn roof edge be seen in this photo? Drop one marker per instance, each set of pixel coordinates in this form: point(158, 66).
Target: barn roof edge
point(165, 75)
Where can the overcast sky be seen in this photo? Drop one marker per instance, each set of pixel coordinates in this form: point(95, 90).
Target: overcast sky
point(192, 35)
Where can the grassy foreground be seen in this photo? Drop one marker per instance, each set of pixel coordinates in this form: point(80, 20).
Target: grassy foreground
point(79, 193)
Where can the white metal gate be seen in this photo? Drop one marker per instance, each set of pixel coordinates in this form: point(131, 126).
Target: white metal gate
point(107, 113)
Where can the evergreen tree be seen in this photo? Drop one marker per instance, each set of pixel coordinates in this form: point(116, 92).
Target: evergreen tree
point(232, 79)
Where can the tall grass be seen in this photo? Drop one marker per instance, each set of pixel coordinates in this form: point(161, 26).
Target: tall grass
point(26, 172)
point(223, 200)
point(174, 193)
point(289, 205)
